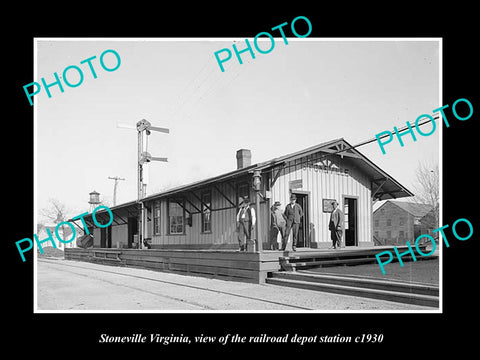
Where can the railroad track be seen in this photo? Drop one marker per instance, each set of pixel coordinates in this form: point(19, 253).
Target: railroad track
point(68, 267)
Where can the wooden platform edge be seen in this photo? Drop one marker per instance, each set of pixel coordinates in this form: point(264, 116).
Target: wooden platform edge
point(245, 267)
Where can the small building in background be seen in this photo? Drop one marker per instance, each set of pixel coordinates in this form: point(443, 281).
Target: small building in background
point(396, 222)
point(64, 232)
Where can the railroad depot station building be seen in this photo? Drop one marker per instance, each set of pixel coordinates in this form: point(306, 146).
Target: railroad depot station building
point(202, 215)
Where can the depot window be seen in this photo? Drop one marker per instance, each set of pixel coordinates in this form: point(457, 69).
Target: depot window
point(207, 212)
point(176, 217)
point(156, 218)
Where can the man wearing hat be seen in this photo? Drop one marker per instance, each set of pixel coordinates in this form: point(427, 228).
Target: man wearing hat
point(293, 213)
point(336, 225)
point(278, 225)
point(245, 223)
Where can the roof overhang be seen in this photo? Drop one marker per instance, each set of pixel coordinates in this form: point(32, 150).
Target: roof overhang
point(383, 186)
point(121, 213)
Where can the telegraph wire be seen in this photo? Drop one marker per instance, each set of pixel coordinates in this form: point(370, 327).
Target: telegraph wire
point(189, 86)
point(206, 88)
point(435, 117)
point(213, 88)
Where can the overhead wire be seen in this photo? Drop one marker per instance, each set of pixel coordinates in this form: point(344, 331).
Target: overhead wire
point(208, 86)
point(221, 82)
point(435, 117)
point(192, 88)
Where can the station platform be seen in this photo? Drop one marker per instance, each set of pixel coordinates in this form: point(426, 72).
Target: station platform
point(229, 264)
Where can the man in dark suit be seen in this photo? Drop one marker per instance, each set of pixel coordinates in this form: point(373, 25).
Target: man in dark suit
point(293, 213)
point(245, 222)
point(336, 225)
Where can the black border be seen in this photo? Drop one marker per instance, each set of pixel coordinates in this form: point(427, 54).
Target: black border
point(79, 333)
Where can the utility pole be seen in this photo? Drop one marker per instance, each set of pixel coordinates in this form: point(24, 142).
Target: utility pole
point(116, 178)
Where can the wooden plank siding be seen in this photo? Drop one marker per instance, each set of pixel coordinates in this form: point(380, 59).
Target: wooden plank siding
point(311, 178)
point(319, 172)
point(96, 237)
point(317, 182)
point(119, 236)
point(324, 184)
point(223, 220)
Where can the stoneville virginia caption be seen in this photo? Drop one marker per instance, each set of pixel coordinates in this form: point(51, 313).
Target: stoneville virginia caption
point(238, 339)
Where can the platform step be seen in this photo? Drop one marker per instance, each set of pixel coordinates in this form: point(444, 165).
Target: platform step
point(292, 263)
point(369, 283)
point(344, 253)
point(397, 296)
point(287, 265)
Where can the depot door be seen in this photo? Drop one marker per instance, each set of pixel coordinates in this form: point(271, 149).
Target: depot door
point(350, 225)
point(132, 230)
point(109, 236)
point(303, 233)
point(103, 237)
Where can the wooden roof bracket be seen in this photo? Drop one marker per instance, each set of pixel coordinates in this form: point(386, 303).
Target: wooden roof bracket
point(379, 186)
point(224, 196)
point(277, 175)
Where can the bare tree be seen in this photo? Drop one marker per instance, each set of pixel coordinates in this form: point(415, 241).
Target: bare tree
point(56, 212)
point(427, 186)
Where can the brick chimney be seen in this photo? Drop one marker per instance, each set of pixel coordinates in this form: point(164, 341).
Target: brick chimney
point(244, 158)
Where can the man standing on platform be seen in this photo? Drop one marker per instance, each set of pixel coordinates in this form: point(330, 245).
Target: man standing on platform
point(245, 223)
point(278, 225)
point(336, 225)
point(293, 213)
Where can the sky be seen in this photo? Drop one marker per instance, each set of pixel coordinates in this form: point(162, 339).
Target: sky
point(301, 94)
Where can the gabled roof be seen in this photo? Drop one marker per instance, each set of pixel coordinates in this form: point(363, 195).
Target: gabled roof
point(384, 186)
point(415, 209)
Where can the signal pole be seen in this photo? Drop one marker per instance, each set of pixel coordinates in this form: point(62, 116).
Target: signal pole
point(116, 178)
point(144, 129)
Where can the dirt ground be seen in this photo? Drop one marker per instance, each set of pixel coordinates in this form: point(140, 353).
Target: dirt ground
point(65, 285)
